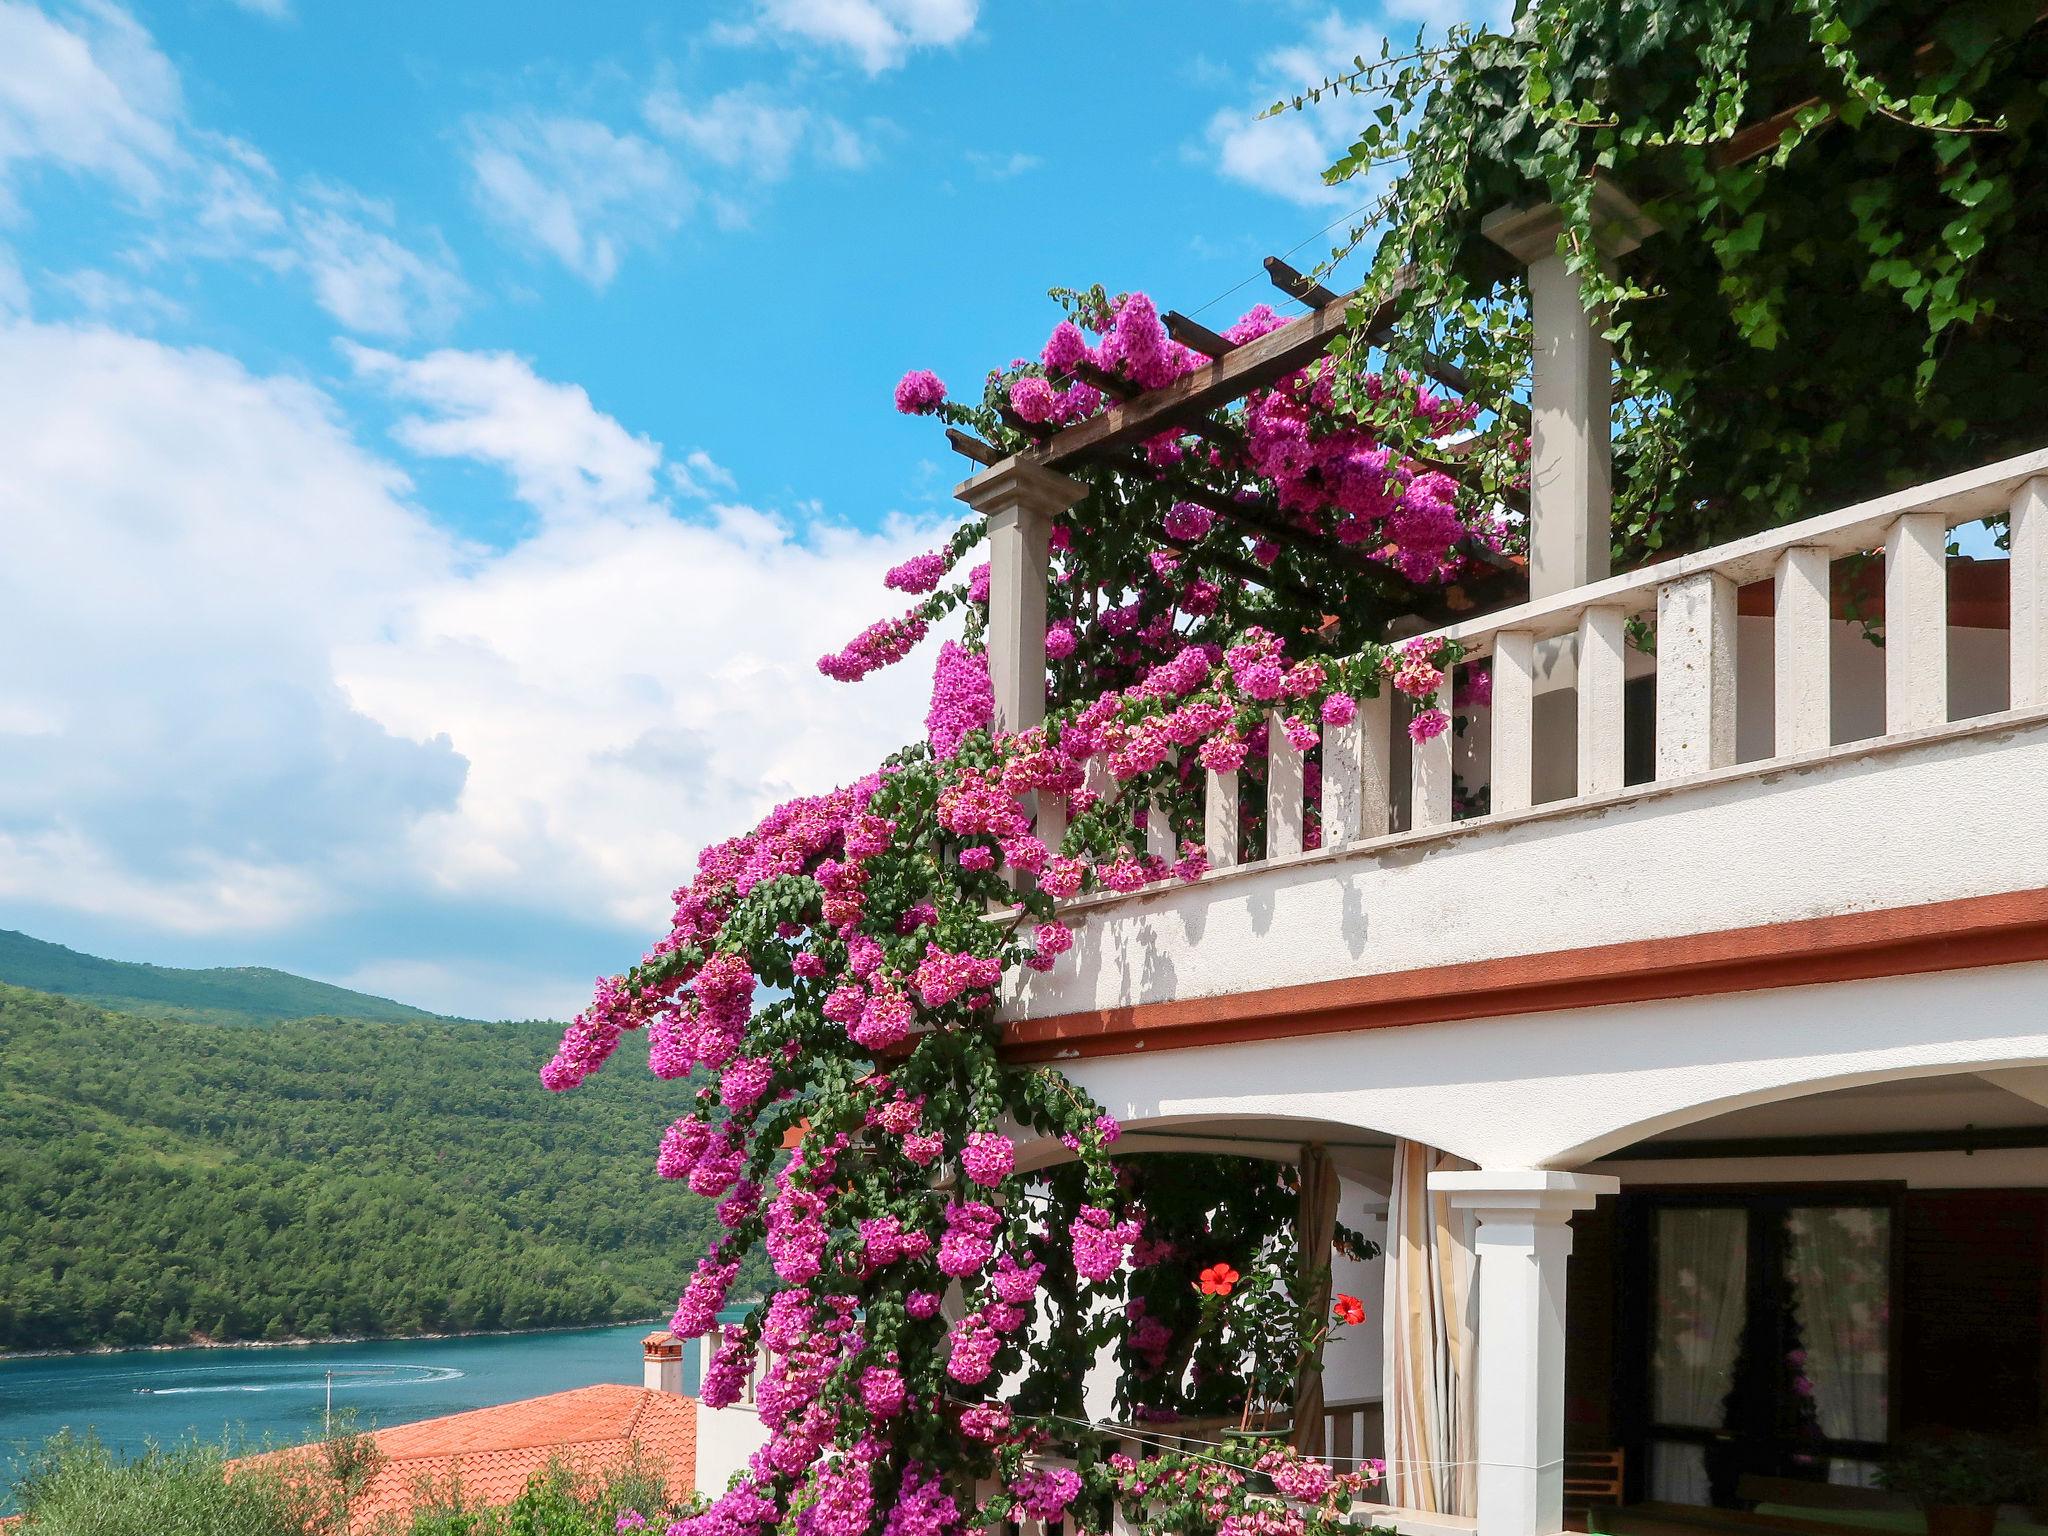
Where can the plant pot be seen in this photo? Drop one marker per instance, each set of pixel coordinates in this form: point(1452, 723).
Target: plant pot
point(1961, 1519)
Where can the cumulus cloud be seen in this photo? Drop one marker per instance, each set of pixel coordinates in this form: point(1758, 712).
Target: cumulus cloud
point(255, 686)
point(185, 543)
point(876, 34)
point(573, 189)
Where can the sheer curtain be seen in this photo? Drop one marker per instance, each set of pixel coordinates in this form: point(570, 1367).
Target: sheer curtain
point(1430, 1340)
point(1702, 1303)
point(1839, 1258)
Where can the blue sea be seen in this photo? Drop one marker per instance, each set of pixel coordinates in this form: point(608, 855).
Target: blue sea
point(278, 1395)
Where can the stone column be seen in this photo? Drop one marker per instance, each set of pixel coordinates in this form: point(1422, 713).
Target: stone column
point(1524, 1237)
point(1571, 499)
point(1020, 500)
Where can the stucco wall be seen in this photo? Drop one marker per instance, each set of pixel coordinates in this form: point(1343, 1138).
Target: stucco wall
point(1947, 815)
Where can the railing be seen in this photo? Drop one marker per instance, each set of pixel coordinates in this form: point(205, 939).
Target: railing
point(1691, 604)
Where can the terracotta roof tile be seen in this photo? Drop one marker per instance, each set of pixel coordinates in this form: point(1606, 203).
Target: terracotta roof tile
point(492, 1453)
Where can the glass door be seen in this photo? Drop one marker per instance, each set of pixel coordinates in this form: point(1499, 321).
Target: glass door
point(1769, 1341)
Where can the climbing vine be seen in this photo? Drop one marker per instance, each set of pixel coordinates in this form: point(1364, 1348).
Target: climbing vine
point(1842, 297)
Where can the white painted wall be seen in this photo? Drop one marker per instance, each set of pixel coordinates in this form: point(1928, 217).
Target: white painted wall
point(726, 1438)
point(1559, 1089)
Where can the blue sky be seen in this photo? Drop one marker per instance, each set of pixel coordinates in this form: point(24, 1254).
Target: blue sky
point(440, 438)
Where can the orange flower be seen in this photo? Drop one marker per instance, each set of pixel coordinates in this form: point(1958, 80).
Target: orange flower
point(1217, 1280)
point(1348, 1309)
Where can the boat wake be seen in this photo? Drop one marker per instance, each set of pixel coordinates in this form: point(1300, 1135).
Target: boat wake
point(342, 1379)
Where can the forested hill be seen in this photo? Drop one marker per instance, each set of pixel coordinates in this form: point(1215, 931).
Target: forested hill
point(237, 994)
point(161, 1179)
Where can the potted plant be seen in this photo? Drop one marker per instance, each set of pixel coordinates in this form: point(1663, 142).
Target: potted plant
point(1960, 1480)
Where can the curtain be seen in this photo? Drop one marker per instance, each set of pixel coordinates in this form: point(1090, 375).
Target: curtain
point(1702, 1304)
point(1431, 1340)
point(1315, 1231)
point(1839, 1259)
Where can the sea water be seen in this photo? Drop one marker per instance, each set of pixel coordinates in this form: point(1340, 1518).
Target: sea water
point(250, 1396)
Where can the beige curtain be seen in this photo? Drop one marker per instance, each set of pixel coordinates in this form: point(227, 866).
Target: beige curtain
point(1315, 1230)
point(1431, 1340)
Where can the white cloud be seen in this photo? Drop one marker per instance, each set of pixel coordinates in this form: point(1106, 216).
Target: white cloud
point(90, 92)
point(878, 34)
point(13, 286)
point(566, 458)
point(253, 685)
point(111, 296)
point(753, 135)
point(737, 129)
point(575, 189)
point(87, 89)
point(364, 277)
point(185, 544)
point(992, 167)
point(699, 476)
point(1285, 155)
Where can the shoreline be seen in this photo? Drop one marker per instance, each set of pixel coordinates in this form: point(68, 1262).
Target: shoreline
point(303, 1343)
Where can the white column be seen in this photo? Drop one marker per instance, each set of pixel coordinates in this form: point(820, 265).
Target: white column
point(1800, 652)
point(1524, 1238)
point(1603, 655)
point(1571, 452)
point(1020, 501)
point(1916, 623)
point(1695, 675)
point(2029, 570)
point(1514, 722)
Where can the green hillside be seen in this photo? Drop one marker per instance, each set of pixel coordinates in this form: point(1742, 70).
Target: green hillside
point(224, 994)
point(161, 1178)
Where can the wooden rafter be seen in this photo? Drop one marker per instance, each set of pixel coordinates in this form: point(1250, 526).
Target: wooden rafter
point(1256, 364)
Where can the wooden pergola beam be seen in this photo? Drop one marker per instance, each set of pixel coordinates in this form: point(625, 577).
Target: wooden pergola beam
point(969, 446)
point(1195, 336)
point(1254, 365)
point(1298, 285)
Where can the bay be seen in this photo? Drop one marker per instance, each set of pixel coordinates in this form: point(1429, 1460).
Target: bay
point(247, 1396)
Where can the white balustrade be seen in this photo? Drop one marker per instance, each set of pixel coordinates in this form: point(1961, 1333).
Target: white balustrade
point(1693, 600)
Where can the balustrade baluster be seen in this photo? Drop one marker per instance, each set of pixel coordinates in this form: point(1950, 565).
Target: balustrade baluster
point(1430, 765)
point(1219, 818)
point(1602, 672)
point(2029, 574)
point(1513, 724)
point(1801, 651)
point(1283, 790)
point(1695, 675)
point(1916, 623)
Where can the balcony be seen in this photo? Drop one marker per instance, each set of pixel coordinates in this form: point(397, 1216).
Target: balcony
point(1700, 748)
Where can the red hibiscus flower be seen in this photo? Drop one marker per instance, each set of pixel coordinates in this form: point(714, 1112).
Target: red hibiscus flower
point(1217, 1280)
point(1348, 1309)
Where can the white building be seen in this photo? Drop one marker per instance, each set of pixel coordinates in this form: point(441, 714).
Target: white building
point(1744, 976)
point(1699, 1089)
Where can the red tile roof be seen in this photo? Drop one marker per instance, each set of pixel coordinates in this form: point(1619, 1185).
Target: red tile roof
point(491, 1453)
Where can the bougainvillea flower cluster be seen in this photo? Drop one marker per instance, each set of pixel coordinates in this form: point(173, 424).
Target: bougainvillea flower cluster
point(827, 994)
